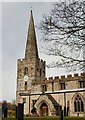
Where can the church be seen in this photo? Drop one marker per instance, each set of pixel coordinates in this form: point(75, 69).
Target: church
point(48, 96)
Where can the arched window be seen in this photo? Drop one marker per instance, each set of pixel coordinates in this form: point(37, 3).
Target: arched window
point(25, 71)
point(25, 86)
point(78, 104)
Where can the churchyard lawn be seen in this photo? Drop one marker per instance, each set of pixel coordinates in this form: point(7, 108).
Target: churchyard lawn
point(48, 118)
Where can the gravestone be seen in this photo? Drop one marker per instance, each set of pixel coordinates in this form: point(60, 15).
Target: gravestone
point(4, 110)
point(64, 110)
point(20, 111)
point(61, 117)
point(16, 113)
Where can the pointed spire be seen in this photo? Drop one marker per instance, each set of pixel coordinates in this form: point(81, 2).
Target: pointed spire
point(31, 46)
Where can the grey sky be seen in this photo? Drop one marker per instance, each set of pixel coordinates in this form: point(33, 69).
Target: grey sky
point(29, 0)
point(0, 51)
point(15, 19)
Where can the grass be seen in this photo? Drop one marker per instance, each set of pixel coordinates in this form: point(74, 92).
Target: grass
point(48, 118)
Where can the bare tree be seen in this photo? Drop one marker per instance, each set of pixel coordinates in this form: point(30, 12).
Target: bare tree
point(64, 31)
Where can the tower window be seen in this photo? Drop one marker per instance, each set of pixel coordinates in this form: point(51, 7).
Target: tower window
point(25, 71)
point(25, 86)
point(78, 104)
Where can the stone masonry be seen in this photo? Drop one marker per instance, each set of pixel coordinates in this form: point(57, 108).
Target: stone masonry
point(50, 95)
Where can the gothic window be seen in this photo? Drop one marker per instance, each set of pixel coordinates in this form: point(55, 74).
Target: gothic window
point(44, 88)
point(62, 86)
point(82, 84)
point(25, 86)
point(25, 71)
point(78, 104)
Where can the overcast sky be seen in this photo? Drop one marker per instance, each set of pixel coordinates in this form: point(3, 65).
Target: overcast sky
point(0, 51)
point(15, 20)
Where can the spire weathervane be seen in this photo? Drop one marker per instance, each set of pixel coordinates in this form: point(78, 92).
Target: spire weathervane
point(31, 8)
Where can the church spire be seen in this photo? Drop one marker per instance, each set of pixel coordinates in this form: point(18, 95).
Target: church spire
point(31, 45)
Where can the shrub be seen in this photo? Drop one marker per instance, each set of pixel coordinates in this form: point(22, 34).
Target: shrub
point(11, 113)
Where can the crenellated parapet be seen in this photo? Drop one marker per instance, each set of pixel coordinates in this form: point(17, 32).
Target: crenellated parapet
point(62, 78)
point(21, 61)
point(68, 77)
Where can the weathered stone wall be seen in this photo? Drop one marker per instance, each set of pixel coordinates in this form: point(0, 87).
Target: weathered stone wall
point(36, 74)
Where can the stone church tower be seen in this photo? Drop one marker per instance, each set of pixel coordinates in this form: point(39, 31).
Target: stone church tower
point(30, 69)
point(48, 96)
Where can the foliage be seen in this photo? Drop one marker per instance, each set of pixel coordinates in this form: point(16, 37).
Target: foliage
point(11, 113)
point(64, 31)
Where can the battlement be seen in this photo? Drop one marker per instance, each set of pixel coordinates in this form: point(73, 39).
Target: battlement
point(68, 77)
point(61, 78)
point(41, 60)
point(19, 61)
point(83, 74)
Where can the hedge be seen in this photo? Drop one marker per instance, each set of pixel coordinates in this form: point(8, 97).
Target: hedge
point(48, 118)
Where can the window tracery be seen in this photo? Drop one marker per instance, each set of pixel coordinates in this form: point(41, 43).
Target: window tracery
point(78, 104)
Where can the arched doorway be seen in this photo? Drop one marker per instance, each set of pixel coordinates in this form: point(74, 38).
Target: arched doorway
point(45, 101)
point(44, 109)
